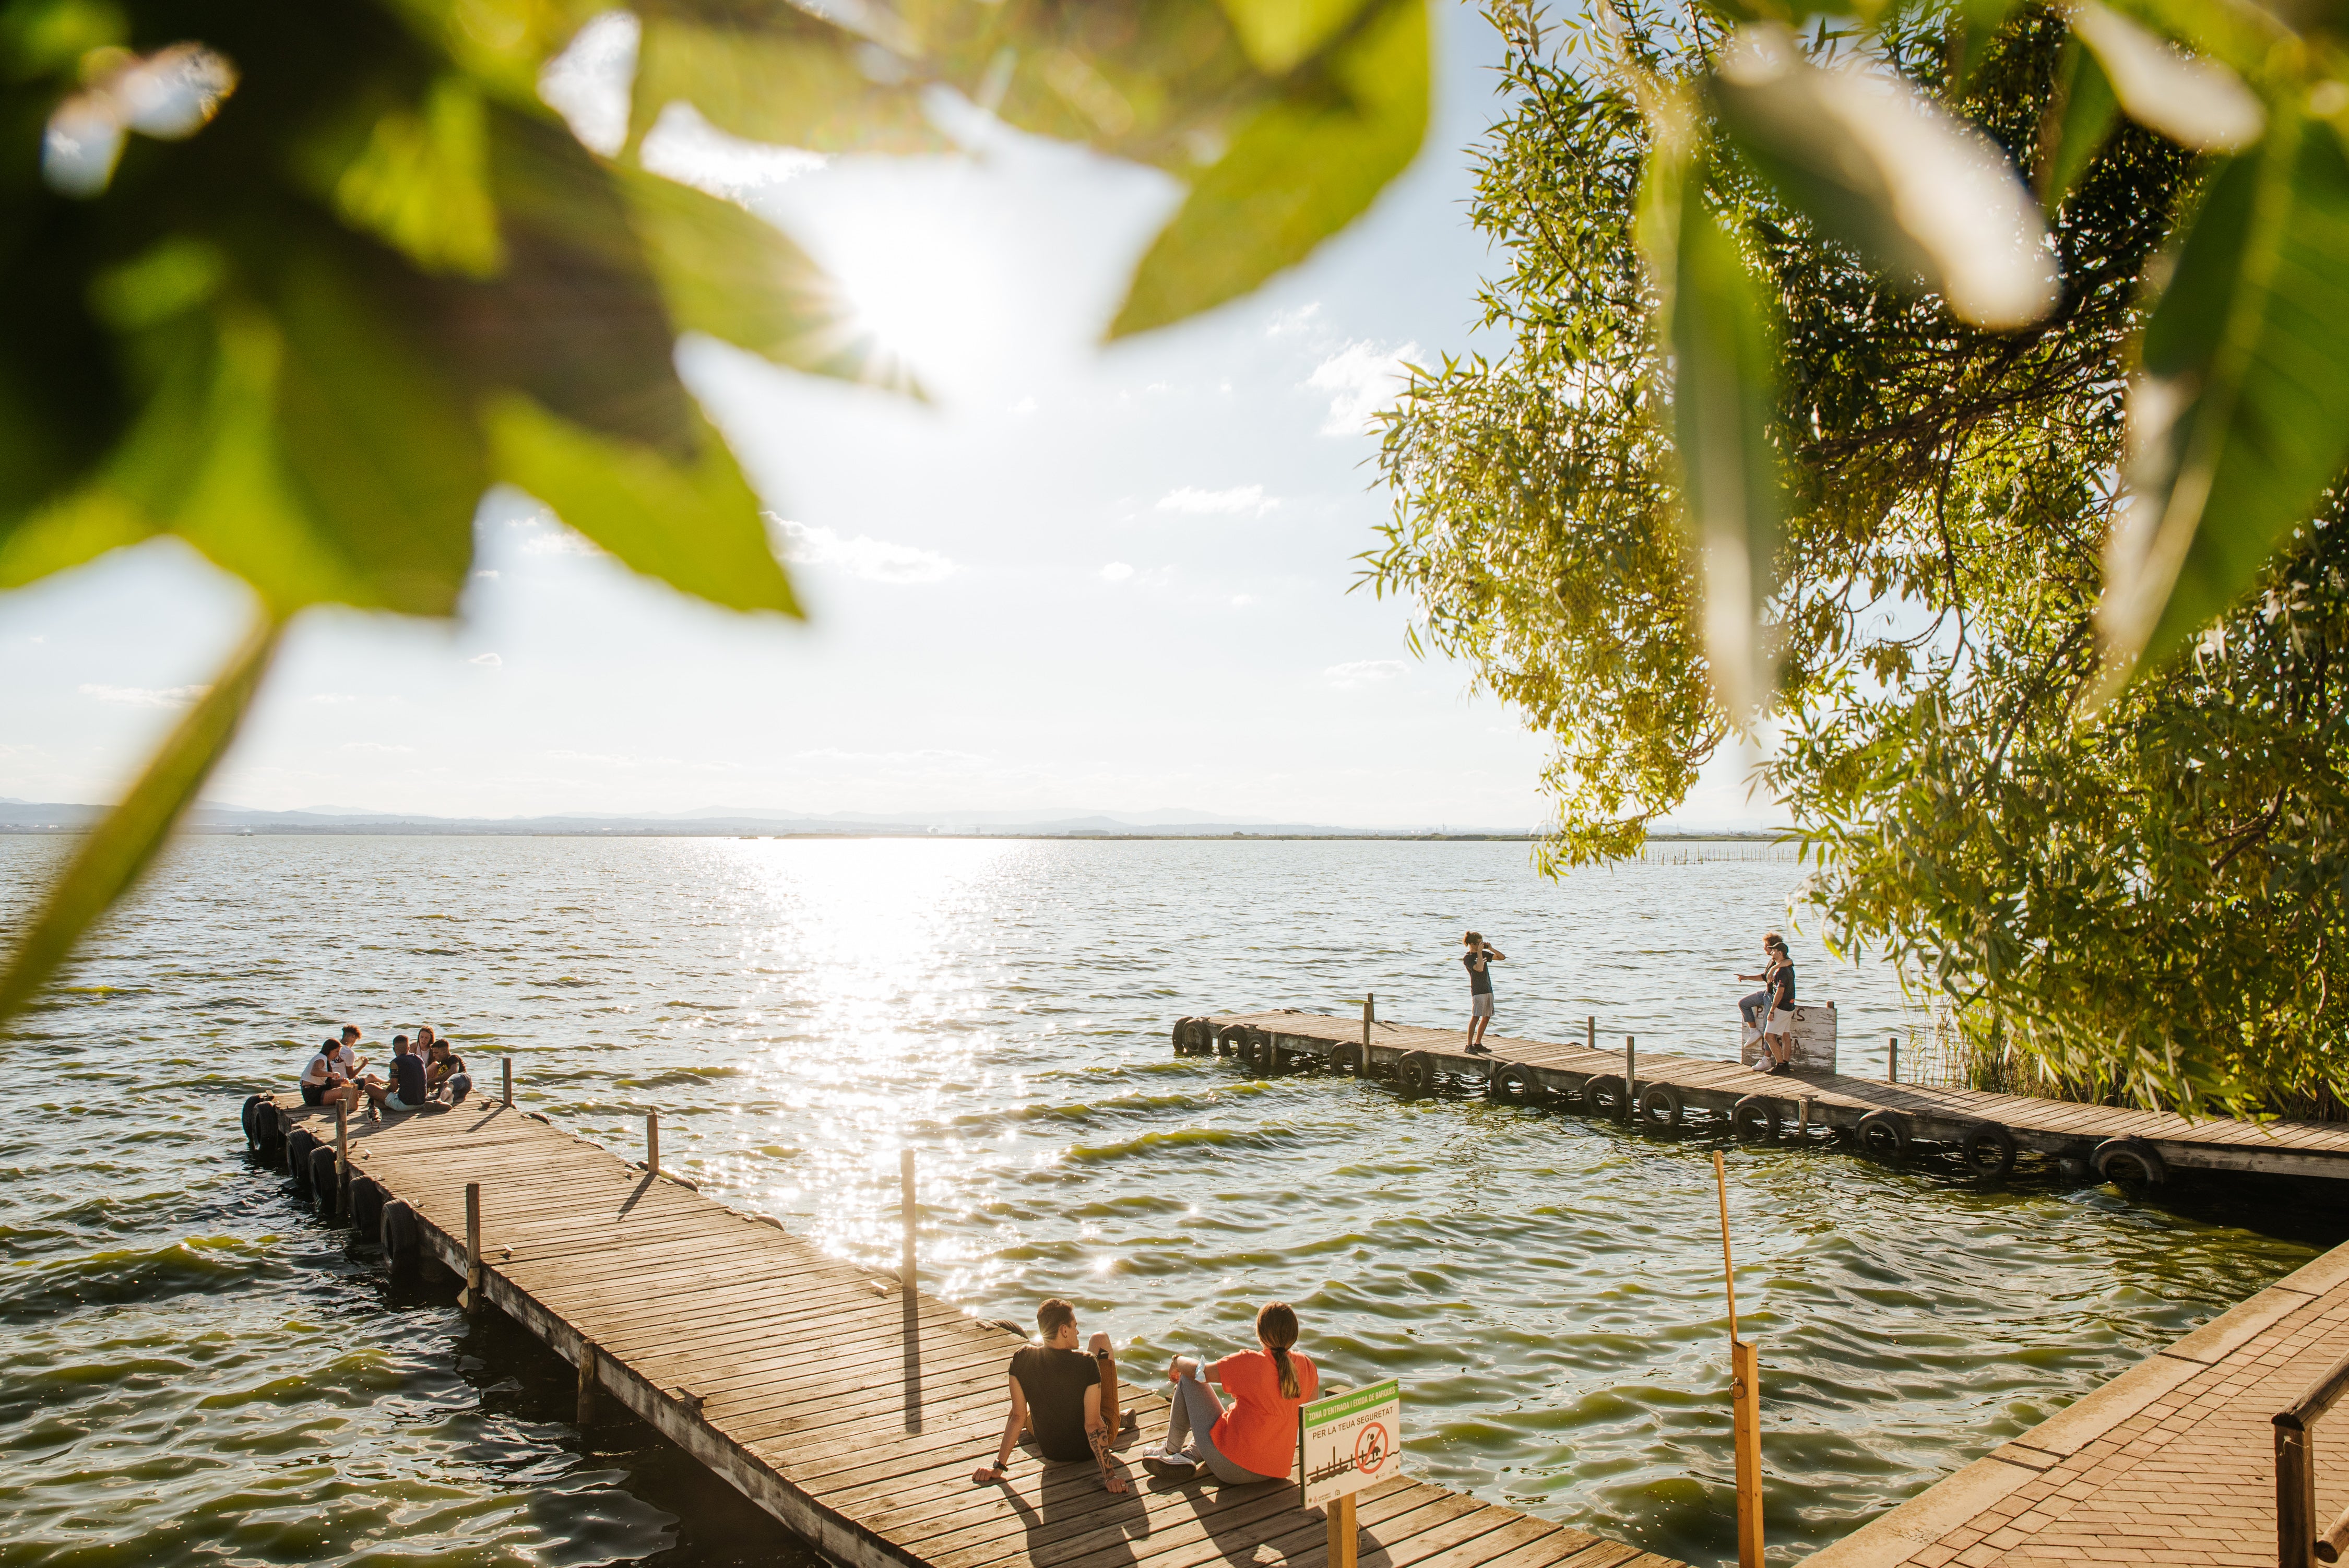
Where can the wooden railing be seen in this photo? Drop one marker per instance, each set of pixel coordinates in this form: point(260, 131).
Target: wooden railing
point(2297, 1543)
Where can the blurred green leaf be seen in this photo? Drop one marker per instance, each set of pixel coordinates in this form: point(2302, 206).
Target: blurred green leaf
point(790, 80)
point(1298, 171)
point(1977, 23)
point(1278, 34)
point(1725, 346)
point(110, 858)
point(696, 528)
point(69, 532)
point(2079, 118)
point(2240, 421)
point(1874, 165)
point(420, 180)
point(735, 276)
point(2197, 102)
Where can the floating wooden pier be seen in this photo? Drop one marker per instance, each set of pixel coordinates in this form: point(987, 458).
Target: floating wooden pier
point(847, 1405)
point(1985, 1131)
point(2175, 1461)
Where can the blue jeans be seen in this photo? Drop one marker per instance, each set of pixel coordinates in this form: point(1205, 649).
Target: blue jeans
point(1754, 1007)
point(1193, 1417)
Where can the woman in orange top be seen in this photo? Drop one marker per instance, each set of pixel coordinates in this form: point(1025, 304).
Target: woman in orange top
point(1256, 1439)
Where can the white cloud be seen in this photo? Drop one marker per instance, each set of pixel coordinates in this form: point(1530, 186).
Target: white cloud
point(332, 697)
point(378, 748)
point(1360, 672)
point(587, 84)
point(554, 541)
point(1360, 379)
point(692, 151)
point(1025, 407)
point(1242, 601)
point(874, 559)
point(490, 659)
point(1116, 571)
point(1233, 502)
point(1288, 321)
point(146, 696)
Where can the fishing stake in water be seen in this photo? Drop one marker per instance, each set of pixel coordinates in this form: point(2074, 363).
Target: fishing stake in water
point(1745, 1398)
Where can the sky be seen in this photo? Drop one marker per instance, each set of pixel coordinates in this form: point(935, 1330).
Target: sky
point(1108, 580)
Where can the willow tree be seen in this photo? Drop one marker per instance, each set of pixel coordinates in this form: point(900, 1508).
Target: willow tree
point(2137, 880)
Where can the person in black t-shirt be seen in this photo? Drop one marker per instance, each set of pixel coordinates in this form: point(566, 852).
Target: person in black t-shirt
point(406, 1091)
point(1480, 955)
point(1066, 1398)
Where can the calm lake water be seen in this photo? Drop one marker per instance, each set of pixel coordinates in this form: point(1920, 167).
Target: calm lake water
point(193, 1371)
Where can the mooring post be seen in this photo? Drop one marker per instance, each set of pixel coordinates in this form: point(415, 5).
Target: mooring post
point(1744, 1397)
point(342, 1160)
point(586, 1383)
point(652, 1143)
point(1370, 1016)
point(1803, 1122)
point(1342, 1531)
point(1591, 1033)
point(2295, 1512)
point(1892, 1058)
point(910, 1213)
point(1631, 1071)
point(471, 1299)
point(509, 1095)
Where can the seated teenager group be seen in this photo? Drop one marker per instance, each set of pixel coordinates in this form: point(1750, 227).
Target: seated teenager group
point(1068, 1399)
point(422, 1072)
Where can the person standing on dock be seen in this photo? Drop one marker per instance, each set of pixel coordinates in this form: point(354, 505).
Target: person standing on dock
point(1480, 955)
point(1770, 1012)
point(1068, 1398)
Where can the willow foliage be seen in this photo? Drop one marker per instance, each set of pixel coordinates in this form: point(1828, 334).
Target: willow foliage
point(2150, 899)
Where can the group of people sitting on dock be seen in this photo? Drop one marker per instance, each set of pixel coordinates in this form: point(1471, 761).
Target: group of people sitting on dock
point(422, 1072)
point(1067, 1399)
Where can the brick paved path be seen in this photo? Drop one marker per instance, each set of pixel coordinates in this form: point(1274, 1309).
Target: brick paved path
point(2173, 1462)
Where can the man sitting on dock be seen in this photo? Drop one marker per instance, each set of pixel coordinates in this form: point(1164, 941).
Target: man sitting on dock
point(406, 1091)
point(1066, 1398)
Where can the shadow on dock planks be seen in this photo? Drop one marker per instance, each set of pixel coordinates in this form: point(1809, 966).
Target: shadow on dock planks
point(849, 1408)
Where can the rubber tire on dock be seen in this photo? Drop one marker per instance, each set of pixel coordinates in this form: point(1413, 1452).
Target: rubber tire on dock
point(1883, 1133)
point(1755, 1120)
point(367, 1205)
point(2114, 1156)
point(402, 1239)
point(1259, 1053)
point(1988, 1150)
point(1415, 1075)
point(298, 1144)
point(323, 1182)
point(1515, 1083)
point(1181, 1035)
point(1229, 1039)
point(1660, 1106)
point(1348, 1060)
point(252, 1110)
point(1603, 1095)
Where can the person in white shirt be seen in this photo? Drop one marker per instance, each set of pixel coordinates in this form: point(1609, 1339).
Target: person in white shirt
point(347, 1060)
point(323, 1082)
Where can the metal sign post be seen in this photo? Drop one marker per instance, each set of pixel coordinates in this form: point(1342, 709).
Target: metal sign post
point(1346, 1442)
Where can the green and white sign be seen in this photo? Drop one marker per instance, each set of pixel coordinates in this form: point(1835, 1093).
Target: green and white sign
point(1348, 1441)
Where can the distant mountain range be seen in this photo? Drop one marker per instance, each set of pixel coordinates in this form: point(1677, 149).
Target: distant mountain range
point(715, 821)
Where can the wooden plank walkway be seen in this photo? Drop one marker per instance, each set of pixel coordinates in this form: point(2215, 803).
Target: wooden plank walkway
point(2172, 1462)
point(849, 1409)
point(1591, 1079)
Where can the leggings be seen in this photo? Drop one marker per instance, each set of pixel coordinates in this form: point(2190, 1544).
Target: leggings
point(1193, 1417)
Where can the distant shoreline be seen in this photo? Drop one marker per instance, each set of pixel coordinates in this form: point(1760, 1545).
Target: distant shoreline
point(420, 830)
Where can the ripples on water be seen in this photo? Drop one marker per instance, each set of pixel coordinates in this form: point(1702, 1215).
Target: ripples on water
point(194, 1372)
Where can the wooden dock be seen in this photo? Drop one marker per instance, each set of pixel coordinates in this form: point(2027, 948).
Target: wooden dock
point(2172, 1462)
point(848, 1408)
point(1985, 1131)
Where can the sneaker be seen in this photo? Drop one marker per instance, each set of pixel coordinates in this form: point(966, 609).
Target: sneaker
point(1170, 1467)
point(1480, 1050)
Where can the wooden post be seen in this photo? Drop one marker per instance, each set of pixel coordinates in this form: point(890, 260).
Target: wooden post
point(907, 1208)
point(508, 1095)
point(1591, 1033)
point(1745, 1398)
point(471, 1299)
point(652, 1143)
point(2295, 1472)
point(1370, 1016)
point(586, 1385)
point(1803, 1122)
point(1342, 1531)
point(342, 1160)
point(1630, 1072)
point(1892, 1059)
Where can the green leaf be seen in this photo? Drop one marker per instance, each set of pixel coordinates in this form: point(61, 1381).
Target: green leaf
point(77, 530)
point(1725, 346)
point(109, 861)
point(2239, 422)
point(420, 180)
point(1977, 23)
point(1278, 34)
point(1299, 169)
point(735, 276)
point(2195, 101)
point(697, 529)
point(796, 82)
point(2079, 119)
point(1874, 164)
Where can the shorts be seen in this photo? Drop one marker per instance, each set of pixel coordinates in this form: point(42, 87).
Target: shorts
point(1479, 1006)
point(393, 1102)
point(314, 1094)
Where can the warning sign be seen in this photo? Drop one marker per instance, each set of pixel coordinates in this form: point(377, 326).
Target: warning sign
point(1348, 1441)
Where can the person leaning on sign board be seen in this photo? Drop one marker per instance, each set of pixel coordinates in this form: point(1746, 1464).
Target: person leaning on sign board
point(1256, 1439)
